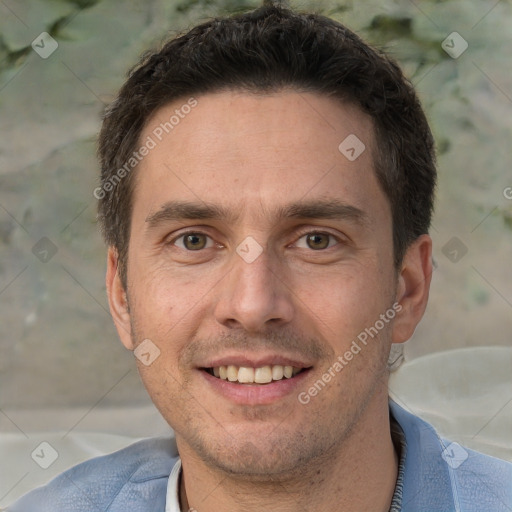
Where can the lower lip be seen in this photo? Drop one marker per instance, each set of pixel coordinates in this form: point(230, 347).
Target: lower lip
point(255, 394)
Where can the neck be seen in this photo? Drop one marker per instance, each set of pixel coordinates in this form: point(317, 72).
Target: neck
point(358, 475)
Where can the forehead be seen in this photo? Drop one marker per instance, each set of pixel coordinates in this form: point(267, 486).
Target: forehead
point(253, 153)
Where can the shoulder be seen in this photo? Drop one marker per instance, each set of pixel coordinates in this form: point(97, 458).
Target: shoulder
point(443, 475)
point(482, 482)
point(124, 480)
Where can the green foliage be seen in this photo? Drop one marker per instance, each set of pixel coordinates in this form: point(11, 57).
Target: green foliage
point(392, 27)
point(81, 4)
point(224, 6)
point(507, 218)
point(12, 58)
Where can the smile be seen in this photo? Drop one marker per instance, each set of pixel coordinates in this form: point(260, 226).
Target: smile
point(248, 375)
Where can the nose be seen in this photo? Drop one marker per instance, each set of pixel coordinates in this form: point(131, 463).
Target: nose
point(254, 295)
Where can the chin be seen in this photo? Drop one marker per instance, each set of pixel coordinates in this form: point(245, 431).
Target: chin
point(252, 464)
point(256, 457)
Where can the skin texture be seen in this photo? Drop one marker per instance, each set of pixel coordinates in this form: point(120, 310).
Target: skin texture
point(252, 154)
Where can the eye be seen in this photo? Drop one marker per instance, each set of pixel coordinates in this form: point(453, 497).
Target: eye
point(316, 241)
point(193, 241)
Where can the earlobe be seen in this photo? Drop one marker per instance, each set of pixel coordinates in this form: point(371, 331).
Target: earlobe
point(117, 299)
point(413, 288)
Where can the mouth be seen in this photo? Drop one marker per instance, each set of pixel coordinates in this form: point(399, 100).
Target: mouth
point(261, 375)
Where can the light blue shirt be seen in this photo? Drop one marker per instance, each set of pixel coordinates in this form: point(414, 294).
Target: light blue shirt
point(438, 476)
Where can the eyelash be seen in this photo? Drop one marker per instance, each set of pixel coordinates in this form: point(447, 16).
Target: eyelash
point(301, 235)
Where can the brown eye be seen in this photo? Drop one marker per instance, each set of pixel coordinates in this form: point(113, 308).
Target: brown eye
point(317, 240)
point(193, 241)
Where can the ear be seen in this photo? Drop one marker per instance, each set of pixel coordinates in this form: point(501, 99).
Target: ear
point(118, 300)
point(413, 288)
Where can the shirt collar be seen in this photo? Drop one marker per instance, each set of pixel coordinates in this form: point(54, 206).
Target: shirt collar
point(172, 502)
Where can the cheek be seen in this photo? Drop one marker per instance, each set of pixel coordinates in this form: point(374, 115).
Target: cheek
point(344, 302)
point(164, 385)
point(164, 297)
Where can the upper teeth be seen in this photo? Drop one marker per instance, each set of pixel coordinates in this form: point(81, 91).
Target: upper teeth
point(262, 375)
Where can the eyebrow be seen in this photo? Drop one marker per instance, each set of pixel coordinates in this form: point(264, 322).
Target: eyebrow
point(319, 209)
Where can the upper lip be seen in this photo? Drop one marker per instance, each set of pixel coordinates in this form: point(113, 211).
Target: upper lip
point(255, 361)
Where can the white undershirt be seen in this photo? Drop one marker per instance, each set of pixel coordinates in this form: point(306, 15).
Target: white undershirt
point(172, 502)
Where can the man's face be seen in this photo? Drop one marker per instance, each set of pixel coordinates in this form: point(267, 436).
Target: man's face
point(299, 266)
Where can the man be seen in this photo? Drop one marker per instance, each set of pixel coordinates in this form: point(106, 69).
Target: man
point(266, 192)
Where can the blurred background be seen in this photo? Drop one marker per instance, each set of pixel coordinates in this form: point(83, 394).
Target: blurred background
point(61, 364)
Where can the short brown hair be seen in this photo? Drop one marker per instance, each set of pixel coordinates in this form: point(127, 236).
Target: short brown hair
point(267, 50)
